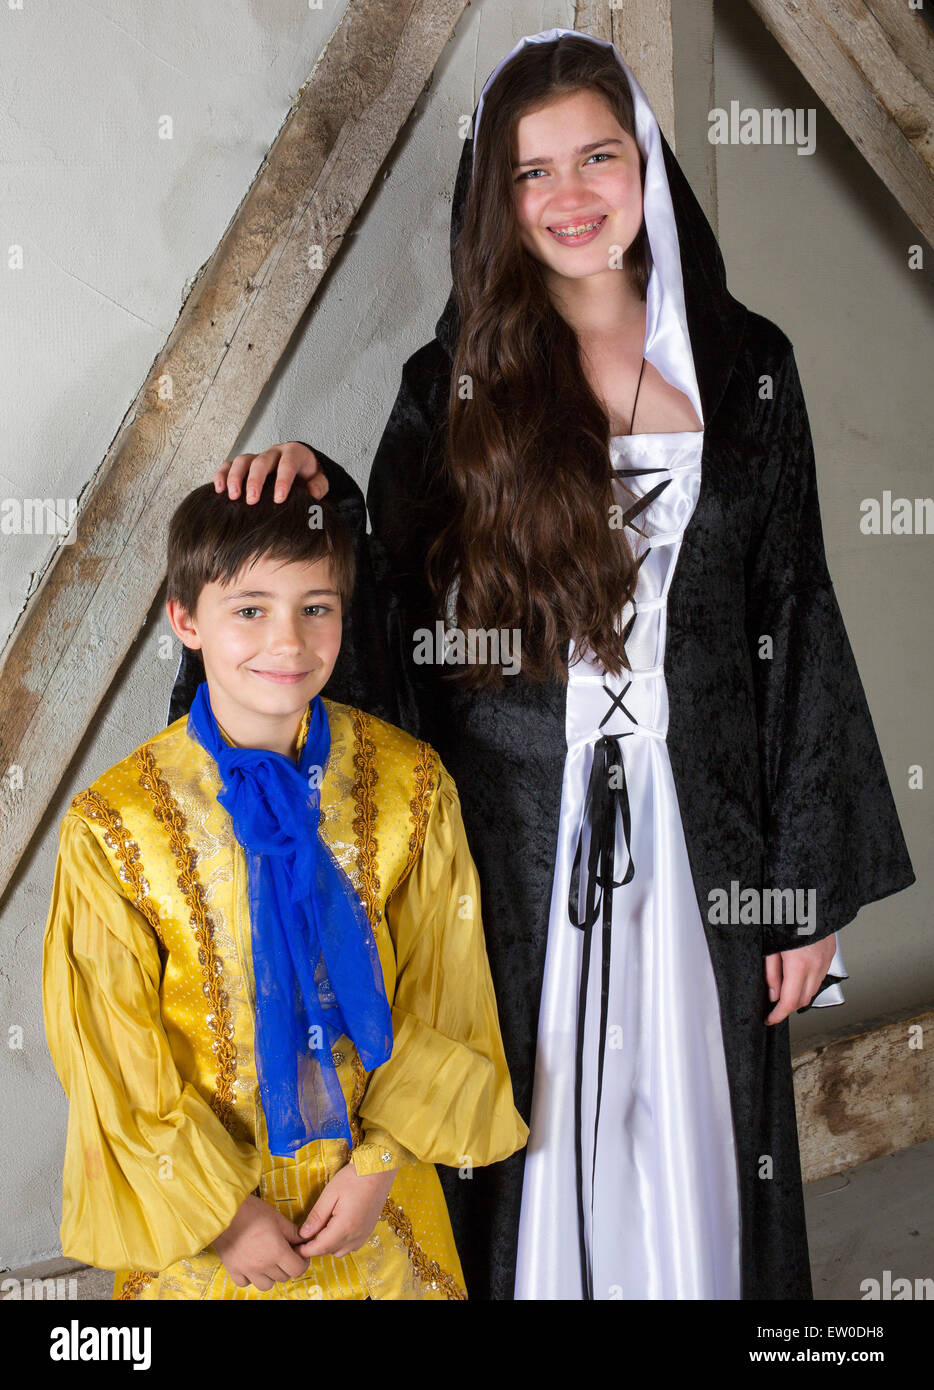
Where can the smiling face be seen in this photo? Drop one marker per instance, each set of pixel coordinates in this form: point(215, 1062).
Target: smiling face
point(269, 641)
point(578, 186)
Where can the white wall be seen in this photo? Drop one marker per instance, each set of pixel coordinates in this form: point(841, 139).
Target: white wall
point(114, 222)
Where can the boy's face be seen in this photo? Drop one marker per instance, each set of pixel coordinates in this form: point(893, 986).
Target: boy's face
point(269, 641)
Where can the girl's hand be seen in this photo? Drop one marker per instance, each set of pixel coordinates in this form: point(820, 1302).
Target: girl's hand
point(291, 461)
point(344, 1215)
point(258, 1247)
point(794, 977)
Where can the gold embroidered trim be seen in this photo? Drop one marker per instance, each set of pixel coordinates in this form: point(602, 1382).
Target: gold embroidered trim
point(364, 822)
point(170, 817)
point(134, 1285)
point(429, 1271)
point(365, 840)
point(359, 1086)
point(426, 766)
point(116, 835)
point(302, 734)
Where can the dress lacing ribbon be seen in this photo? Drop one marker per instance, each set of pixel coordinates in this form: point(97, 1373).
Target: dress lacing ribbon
point(605, 801)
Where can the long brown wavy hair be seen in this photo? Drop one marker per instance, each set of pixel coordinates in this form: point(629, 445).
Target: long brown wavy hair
point(528, 541)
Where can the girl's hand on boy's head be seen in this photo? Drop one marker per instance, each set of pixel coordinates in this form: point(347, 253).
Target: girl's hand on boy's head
point(345, 1214)
point(794, 977)
point(258, 1247)
point(290, 461)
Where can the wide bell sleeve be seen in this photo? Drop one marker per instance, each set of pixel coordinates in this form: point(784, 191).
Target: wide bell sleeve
point(150, 1174)
point(830, 821)
point(445, 1094)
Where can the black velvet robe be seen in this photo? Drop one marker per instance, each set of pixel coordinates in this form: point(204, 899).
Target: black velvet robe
point(778, 771)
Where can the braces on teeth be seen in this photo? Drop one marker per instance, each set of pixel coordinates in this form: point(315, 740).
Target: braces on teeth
point(576, 231)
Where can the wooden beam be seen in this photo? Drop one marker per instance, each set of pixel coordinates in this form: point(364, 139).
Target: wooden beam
point(692, 23)
point(865, 1092)
point(594, 17)
point(642, 32)
point(669, 46)
point(234, 327)
point(871, 62)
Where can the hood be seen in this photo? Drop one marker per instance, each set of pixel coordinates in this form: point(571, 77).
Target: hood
point(693, 324)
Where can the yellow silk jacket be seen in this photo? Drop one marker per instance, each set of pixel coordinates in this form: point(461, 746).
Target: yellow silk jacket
point(148, 996)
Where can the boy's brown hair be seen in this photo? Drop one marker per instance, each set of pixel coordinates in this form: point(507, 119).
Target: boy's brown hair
point(212, 536)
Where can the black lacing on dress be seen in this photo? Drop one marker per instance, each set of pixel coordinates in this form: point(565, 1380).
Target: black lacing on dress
point(605, 799)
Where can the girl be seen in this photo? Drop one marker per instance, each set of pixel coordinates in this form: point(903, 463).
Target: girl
point(605, 451)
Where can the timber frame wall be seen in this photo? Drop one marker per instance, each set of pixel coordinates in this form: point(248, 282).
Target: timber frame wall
point(872, 64)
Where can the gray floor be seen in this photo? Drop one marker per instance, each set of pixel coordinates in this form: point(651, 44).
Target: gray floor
point(872, 1219)
point(877, 1217)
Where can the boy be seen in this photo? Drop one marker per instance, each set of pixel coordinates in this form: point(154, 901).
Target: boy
point(258, 884)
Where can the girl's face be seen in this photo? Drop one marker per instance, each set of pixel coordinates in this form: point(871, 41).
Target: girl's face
point(578, 186)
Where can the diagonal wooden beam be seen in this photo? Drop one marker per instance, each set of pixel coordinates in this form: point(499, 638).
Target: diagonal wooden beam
point(234, 327)
point(871, 62)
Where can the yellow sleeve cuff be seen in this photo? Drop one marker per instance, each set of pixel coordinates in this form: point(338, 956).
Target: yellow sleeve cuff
point(379, 1153)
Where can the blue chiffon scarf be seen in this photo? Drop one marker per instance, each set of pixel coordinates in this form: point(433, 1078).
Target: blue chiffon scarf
point(315, 961)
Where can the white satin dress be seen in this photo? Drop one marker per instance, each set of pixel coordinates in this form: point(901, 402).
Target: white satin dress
point(661, 1213)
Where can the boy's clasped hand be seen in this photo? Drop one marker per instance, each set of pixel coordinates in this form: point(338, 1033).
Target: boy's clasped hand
point(262, 1247)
